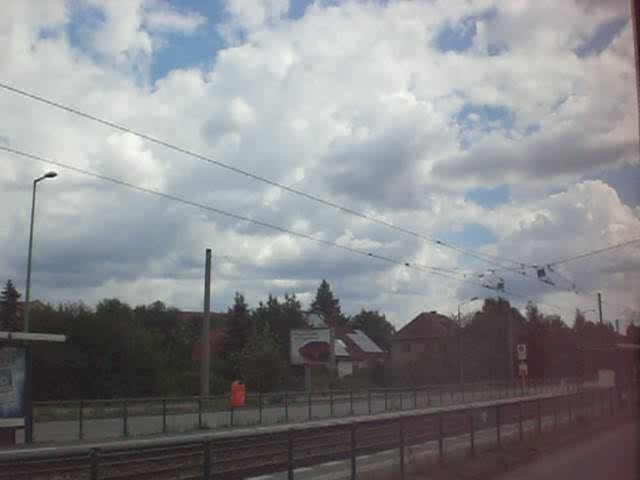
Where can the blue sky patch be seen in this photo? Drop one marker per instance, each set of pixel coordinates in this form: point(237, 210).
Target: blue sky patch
point(489, 197)
point(458, 37)
point(297, 8)
point(473, 119)
point(473, 235)
point(624, 180)
point(180, 51)
point(601, 37)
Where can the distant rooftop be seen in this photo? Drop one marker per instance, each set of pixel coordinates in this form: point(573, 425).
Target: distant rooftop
point(363, 342)
point(425, 325)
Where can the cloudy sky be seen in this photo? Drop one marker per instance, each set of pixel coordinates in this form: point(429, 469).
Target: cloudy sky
point(505, 129)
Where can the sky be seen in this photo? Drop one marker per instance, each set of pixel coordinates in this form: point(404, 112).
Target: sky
point(495, 136)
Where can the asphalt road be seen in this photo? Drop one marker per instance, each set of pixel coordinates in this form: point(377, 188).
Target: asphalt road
point(615, 455)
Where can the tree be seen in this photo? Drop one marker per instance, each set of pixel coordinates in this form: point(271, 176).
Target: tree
point(260, 364)
point(326, 304)
point(9, 307)
point(279, 318)
point(375, 325)
point(533, 313)
point(238, 328)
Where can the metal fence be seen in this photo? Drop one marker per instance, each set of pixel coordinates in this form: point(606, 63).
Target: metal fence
point(425, 438)
point(113, 418)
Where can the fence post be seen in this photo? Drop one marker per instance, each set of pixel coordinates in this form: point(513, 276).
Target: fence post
point(539, 412)
point(164, 415)
point(286, 406)
point(498, 433)
point(290, 454)
point(520, 426)
point(570, 412)
point(93, 463)
point(199, 412)
point(351, 401)
point(260, 408)
point(555, 414)
point(472, 435)
point(385, 400)
point(232, 416)
point(369, 400)
point(206, 462)
point(428, 397)
point(331, 402)
point(125, 419)
point(401, 448)
point(440, 439)
point(462, 392)
point(441, 393)
point(415, 397)
point(309, 406)
point(81, 421)
point(353, 451)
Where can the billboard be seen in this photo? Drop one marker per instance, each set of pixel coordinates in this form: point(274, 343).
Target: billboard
point(310, 346)
point(521, 350)
point(12, 386)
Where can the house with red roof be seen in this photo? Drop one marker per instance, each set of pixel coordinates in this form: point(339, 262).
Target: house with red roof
point(420, 349)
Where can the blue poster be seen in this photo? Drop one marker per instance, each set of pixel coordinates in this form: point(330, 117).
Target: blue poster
point(12, 386)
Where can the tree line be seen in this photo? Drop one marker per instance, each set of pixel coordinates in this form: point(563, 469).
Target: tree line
point(114, 350)
point(554, 349)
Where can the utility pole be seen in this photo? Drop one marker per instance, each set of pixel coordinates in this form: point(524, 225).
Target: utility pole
point(510, 344)
point(206, 354)
point(460, 349)
point(600, 306)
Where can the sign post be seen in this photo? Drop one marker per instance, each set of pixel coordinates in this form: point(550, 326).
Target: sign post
point(523, 369)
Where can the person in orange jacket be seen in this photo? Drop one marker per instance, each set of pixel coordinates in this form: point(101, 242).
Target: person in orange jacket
point(238, 391)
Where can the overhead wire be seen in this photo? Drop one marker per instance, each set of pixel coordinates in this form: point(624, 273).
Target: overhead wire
point(487, 258)
point(175, 198)
point(595, 252)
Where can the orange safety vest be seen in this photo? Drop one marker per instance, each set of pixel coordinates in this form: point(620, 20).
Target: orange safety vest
point(237, 394)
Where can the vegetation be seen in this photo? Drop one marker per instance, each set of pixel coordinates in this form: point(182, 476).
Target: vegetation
point(114, 350)
point(9, 307)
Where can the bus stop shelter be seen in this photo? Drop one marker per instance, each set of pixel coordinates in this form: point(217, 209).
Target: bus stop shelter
point(16, 406)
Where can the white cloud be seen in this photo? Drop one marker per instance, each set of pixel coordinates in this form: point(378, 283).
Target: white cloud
point(164, 19)
point(351, 102)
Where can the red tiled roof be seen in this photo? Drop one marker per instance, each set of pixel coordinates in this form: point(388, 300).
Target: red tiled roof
point(425, 325)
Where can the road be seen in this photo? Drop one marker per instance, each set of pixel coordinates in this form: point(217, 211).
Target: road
point(615, 454)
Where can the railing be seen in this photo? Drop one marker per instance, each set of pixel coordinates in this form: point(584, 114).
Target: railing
point(432, 436)
point(99, 419)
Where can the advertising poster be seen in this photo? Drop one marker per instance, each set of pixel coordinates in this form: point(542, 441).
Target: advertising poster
point(310, 346)
point(12, 386)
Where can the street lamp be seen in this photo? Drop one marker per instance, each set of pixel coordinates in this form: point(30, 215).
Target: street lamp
point(27, 298)
point(460, 338)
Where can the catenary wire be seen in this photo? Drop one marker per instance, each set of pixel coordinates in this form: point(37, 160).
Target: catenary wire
point(487, 258)
point(175, 198)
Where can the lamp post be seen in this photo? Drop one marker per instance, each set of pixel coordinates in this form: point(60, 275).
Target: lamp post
point(460, 338)
point(27, 298)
